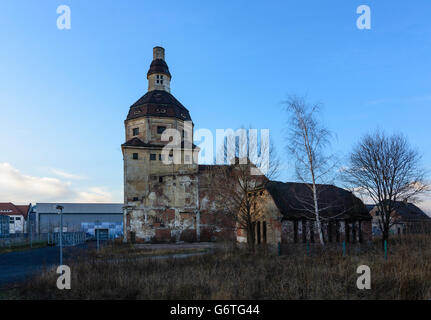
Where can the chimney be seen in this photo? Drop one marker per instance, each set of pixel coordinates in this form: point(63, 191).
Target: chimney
point(158, 53)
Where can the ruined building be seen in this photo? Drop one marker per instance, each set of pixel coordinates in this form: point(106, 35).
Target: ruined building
point(285, 214)
point(164, 201)
point(174, 202)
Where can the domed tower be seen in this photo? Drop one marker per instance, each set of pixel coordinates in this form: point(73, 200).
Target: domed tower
point(158, 192)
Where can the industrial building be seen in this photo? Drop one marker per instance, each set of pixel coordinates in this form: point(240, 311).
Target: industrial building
point(16, 215)
point(4, 226)
point(104, 218)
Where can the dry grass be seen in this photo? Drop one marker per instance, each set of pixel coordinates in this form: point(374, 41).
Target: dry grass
point(235, 274)
point(129, 251)
point(22, 246)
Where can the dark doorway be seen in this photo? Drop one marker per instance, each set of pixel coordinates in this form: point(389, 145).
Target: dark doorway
point(258, 232)
point(330, 224)
point(295, 231)
point(347, 232)
point(304, 231)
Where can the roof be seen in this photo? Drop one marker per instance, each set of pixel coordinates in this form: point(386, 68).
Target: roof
point(10, 209)
point(136, 142)
point(158, 103)
point(291, 199)
point(159, 66)
point(370, 207)
point(408, 211)
point(81, 208)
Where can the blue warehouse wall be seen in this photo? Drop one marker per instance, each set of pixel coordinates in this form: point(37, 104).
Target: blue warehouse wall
point(87, 223)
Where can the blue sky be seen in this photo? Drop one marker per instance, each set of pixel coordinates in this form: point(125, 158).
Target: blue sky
point(64, 94)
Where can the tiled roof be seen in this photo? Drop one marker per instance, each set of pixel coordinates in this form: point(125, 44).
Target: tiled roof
point(8, 208)
point(293, 198)
point(407, 211)
point(158, 103)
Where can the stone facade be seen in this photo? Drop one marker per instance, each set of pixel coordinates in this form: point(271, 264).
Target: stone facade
point(165, 202)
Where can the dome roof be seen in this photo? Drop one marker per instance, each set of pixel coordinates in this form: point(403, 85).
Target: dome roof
point(158, 103)
point(159, 66)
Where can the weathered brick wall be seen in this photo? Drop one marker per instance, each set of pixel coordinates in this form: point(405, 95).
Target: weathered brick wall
point(216, 225)
point(180, 208)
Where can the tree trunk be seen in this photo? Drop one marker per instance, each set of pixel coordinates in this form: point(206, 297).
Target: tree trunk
point(385, 237)
point(316, 211)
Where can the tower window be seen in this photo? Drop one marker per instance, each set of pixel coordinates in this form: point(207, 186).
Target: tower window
point(161, 77)
point(161, 81)
point(135, 156)
point(157, 76)
point(135, 131)
point(160, 129)
point(152, 156)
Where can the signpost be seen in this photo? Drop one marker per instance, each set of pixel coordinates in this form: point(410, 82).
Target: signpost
point(60, 212)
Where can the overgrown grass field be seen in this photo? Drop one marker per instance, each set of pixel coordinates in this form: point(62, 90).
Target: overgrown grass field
point(234, 273)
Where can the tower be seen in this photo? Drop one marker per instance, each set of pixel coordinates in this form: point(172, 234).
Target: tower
point(159, 77)
point(162, 198)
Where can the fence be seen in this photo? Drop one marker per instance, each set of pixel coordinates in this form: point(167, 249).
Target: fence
point(50, 238)
point(69, 238)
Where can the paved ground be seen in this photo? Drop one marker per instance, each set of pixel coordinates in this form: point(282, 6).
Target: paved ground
point(17, 266)
point(173, 246)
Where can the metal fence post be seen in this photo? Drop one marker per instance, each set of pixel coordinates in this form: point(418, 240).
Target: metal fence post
point(386, 250)
point(60, 211)
point(97, 237)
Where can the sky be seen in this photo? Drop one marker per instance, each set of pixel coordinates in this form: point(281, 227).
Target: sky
point(64, 94)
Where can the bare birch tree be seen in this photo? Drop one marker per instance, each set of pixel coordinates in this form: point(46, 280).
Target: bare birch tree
point(307, 143)
point(387, 170)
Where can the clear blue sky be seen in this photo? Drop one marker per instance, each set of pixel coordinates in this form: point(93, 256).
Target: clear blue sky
point(64, 94)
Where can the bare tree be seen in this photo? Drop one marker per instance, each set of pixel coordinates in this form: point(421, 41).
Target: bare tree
point(234, 184)
point(387, 170)
point(307, 143)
